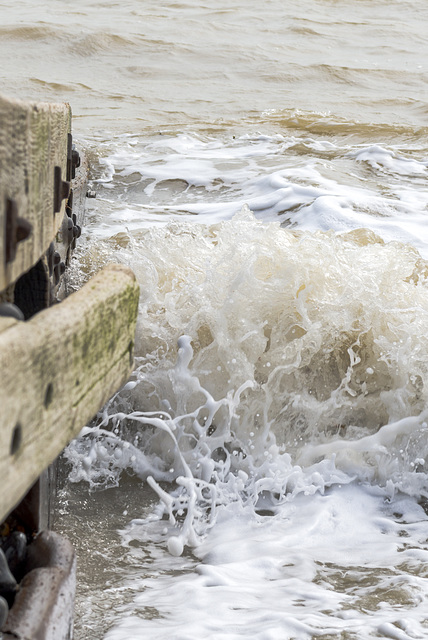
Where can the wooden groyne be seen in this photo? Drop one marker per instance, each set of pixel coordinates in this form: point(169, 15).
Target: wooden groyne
point(59, 361)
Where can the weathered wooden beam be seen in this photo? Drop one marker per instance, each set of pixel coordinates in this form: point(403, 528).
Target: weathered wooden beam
point(34, 145)
point(57, 370)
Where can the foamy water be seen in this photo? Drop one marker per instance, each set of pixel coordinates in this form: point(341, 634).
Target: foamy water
point(279, 413)
point(263, 170)
point(301, 573)
point(311, 183)
point(277, 416)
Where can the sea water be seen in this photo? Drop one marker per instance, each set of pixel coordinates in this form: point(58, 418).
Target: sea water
point(262, 169)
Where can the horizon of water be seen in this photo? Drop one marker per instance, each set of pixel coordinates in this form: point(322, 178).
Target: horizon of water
point(262, 169)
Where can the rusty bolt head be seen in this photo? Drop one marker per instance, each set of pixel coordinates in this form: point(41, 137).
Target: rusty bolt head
point(61, 189)
point(17, 229)
point(75, 158)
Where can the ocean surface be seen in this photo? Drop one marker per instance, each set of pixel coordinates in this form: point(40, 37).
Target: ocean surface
point(262, 167)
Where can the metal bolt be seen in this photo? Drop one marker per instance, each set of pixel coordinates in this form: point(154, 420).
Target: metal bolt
point(65, 189)
point(69, 155)
point(61, 189)
point(8, 585)
point(69, 205)
point(73, 158)
point(17, 229)
point(75, 162)
point(59, 270)
point(15, 551)
point(70, 230)
point(9, 310)
point(4, 611)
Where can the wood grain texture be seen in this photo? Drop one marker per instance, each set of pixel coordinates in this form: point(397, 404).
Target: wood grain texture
point(58, 369)
point(33, 140)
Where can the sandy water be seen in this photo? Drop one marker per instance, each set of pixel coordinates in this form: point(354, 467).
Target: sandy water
point(263, 171)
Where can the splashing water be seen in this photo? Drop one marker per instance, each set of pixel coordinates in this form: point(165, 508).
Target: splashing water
point(271, 363)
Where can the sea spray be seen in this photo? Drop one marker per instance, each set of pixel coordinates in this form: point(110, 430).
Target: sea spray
point(271, 363)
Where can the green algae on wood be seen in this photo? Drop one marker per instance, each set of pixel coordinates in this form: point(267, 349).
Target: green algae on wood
point(58, 369)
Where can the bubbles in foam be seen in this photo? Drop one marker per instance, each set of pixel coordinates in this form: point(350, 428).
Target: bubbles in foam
point(271, 363)
point(303, 180)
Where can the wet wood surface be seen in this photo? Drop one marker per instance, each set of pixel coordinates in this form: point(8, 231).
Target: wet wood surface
point(58, 369)
point(34, 141)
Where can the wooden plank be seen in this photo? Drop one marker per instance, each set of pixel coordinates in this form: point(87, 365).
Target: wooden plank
point(58, 369)
point(33, 149)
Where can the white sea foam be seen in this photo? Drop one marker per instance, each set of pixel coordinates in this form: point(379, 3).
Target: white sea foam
point(278, 409)
point(324, 565)
point(300, 359)
point(309, 183)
